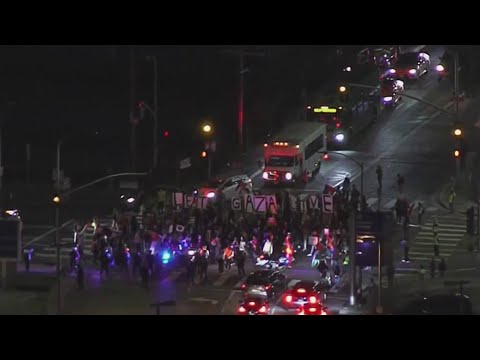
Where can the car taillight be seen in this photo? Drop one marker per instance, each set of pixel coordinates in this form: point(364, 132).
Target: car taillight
point(313, 299)
point(338, 125)
point(301, 291)
point(268, 287)
point(288, 298)
point(241, 309)
point(323, 312)
point(263, 310)
point(243, 286)
point(312, 309)
point(251, 303)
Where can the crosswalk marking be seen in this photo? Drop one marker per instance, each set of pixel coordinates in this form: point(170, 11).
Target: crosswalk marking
point(371, 201)
point(431, 244)
point(451, 230)
point(390, 204)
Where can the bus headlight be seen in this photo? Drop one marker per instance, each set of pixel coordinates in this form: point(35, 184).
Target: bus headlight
point(288, 176)
point(339, 137)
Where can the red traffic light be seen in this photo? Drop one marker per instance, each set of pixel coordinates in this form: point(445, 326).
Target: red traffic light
point(166, 133)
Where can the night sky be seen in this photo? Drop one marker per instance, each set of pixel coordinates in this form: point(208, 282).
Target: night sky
point(81, 94)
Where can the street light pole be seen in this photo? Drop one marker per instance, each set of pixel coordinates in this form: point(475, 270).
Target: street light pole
point(353, 234)
point(57, 231)
point(241, 103)
point(456, 84)
point(155, 110)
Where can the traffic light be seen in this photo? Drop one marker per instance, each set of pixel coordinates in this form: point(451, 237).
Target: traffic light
point(471, 221)
point(166, 134)
point(343, 93)
point(56, 200)
point(204, 154)
point(458, 131)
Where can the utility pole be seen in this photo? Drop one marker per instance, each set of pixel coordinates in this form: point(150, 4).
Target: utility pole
point(241, 102)
point(57, 232)
point(352, 254)
point(155, 110)
point(456, 84)
point(133, 117)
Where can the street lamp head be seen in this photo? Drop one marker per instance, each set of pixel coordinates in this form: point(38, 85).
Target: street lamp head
point(207, 128)
point(56, 199)
point(342, 89)
point(458, 132)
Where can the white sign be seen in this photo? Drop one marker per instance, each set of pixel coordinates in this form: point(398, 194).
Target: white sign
point(327, 204)
point(180, 228)
point(189, 201)
point(185, 163)
point(313, 202)
point(237, 204)
point(260, 203)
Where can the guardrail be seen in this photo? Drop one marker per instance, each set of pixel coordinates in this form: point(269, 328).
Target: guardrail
point(52, 231)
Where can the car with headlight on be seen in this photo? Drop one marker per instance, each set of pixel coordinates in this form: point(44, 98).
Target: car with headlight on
point(232, 187)
point(265, 283)
point(312, 309)
point(390, 91)
point(254, 305)
point(304, 293)
point(411, 65)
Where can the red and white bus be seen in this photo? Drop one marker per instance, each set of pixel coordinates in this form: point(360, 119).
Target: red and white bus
point(295, 153)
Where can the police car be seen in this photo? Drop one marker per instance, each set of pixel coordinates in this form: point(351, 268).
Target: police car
point(233, 186)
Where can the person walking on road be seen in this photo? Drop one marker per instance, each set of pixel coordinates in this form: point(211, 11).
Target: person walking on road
point(451, 199)
point(435, 227)
point(436, 245)
point(442, 267)
point(432, 268)
point(422, 272)
point(379, 172)
point(420, 212)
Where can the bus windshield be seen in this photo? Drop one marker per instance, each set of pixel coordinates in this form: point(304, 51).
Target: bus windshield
point(280, 161)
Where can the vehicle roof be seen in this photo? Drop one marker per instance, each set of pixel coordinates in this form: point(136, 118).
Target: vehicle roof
point(298, 132)
point(249, 297)
point(305, 284)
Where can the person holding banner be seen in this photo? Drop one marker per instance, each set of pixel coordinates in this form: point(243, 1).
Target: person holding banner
point(289, 249)
point(268, 249)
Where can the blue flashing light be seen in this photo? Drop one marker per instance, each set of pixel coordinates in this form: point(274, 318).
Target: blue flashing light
point(166, 257)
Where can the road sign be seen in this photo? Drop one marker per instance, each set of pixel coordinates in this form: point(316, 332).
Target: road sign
point(327, 203)
point(185, 163)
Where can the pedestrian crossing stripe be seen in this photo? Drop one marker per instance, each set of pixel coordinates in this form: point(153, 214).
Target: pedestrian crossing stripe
point(390, 204)
point(431, 244)
point(451, 231)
